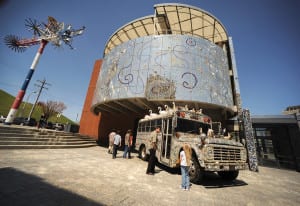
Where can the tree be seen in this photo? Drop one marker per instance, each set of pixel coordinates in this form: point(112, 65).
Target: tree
point(51, 108)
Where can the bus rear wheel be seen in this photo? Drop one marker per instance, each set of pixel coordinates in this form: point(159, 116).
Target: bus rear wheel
point(195, 171)
point(228, 175)
point(142, 153)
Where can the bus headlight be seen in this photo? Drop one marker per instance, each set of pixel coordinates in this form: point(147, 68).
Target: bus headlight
point(243, 155)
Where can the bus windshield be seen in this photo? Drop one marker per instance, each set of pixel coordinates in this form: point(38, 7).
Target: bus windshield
point(190, 126)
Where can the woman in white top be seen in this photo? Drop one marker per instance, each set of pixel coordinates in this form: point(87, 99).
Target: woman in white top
point(185, 162)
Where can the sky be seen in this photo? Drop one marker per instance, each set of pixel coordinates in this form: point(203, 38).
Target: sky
point(265, 36)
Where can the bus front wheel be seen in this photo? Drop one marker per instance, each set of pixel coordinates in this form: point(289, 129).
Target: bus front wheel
point(142, 153)
point(195, 171)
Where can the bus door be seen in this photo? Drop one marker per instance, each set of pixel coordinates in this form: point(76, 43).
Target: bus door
point(166, 140)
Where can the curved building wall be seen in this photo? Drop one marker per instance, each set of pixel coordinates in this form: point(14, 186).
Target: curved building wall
point(166, 68)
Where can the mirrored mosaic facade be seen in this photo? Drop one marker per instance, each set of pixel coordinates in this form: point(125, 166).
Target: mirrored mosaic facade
point(166, 67)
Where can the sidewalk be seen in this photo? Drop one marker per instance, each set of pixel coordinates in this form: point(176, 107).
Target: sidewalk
point(89, 176)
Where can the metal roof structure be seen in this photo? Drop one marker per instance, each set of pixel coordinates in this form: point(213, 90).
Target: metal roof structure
point(171, 18)
point(273, 119)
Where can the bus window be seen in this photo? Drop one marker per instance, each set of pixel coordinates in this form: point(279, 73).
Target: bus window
point(143, 126)
point(170, 127)
point(166, 139)
point(140, 127)
point(189, 126)
point(168, 146)
point(148, 129)
point(153, 125)
point(157, 123)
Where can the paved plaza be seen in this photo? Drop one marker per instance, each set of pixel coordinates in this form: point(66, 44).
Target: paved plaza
point(89, 176)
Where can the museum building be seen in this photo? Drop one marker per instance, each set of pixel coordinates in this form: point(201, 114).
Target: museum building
point(180, 55)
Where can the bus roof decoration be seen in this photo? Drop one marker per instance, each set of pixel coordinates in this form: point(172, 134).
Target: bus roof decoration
point(53, 32)
point(148, 116)
point(171, 110)
point(162, 112)
point(199, 111)
point(153, 114)
point(182, 112)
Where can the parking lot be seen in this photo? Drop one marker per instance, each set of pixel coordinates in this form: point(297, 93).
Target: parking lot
point(89, 176)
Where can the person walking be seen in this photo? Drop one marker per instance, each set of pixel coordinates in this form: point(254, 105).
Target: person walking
point(185, 162)
point(111, 141)
point(117, 144)
point(42, 122)
point(152, 158)
point(128, 144)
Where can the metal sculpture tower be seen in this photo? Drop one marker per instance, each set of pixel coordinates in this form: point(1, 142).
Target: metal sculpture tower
point(53, 32)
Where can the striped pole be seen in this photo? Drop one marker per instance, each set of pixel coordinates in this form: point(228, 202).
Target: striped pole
point(15, 106)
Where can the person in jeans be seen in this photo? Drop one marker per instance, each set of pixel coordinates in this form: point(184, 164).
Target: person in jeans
point(185, 162)
point(128, 144)
point(117, 144)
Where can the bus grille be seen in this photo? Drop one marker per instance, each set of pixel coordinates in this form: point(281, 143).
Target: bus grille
point(227, 154)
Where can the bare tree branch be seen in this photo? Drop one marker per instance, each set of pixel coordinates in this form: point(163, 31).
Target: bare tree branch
point(51, 108)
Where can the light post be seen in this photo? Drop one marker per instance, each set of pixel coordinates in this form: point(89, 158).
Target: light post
point(37, 98)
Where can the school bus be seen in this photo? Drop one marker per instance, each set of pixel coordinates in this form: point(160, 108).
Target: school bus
point(210, 152)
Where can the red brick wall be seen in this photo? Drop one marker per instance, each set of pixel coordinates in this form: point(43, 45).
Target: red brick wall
point(89, 122)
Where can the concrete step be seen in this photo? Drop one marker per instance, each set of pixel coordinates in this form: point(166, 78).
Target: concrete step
point(46, 146)
point(50, 142)
point(22, 137)
point(46, 138)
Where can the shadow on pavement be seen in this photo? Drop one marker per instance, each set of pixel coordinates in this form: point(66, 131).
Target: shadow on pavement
point(212, 180)
point(19, 188)
point(162, 167)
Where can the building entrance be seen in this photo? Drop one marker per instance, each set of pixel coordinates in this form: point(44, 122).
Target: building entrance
point(118, 122)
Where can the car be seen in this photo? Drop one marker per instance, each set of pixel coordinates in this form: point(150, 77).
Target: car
point(49, 125)
point(19, 120)
point(24, 121)
point(58, 126)
point(2, 119)
point(30, 122)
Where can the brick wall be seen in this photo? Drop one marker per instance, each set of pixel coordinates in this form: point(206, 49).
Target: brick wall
point(89, 122)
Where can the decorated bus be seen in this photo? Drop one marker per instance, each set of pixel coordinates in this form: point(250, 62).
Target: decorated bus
point(212, 151)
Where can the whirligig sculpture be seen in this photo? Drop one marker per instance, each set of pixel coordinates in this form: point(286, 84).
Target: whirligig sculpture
point(53, 32)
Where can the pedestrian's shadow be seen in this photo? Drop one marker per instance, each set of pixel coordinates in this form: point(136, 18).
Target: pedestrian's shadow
point(174, 171)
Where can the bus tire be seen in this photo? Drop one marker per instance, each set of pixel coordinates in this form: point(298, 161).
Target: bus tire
point(142, 153)
point(195, 171)
point(228, 175)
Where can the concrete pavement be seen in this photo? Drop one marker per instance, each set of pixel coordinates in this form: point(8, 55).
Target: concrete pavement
point(89, 176)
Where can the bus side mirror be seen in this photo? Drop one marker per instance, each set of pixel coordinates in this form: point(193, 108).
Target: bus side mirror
point(202, 138)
